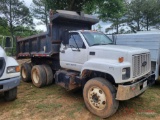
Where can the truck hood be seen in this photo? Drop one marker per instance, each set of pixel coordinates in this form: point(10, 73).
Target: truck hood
point(2, 53)
point(115, 51)
point(119, 48)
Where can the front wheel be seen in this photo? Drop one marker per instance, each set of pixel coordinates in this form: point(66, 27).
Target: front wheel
point(99, 97)
point(11, 94)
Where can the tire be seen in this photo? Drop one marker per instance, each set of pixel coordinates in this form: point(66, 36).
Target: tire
point(99, 97)
point(49, 74)
point(11, 94)
point(38, 76)
point(26, 72)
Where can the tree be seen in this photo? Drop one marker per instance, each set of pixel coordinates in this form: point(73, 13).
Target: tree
point(107, 10)
point(15, 13)
point(151, 12)
point(144, 13)
point(40, 11)
point(135, 12)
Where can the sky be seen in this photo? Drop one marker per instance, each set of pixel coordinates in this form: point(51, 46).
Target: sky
point(43, 27)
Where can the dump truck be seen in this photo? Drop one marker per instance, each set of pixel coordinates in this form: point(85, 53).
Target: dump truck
point(9, 72)
point(73, 56)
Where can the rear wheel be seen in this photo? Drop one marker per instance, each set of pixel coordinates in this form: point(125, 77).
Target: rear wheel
point(38, 76)
point(11, 94)
point(26, 72)
point(49, 74)
point(99, 96)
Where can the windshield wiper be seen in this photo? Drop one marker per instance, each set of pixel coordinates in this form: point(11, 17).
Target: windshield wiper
point(95, 44)
point(101, 44)
point(110, 43)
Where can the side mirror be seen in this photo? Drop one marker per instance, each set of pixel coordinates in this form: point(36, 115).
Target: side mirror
point(65, 38)
point(8, 42)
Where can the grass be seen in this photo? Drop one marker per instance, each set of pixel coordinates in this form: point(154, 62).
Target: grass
point(53, 102)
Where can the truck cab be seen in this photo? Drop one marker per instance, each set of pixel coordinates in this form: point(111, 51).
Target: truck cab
point(9, 76)
point(100, 54)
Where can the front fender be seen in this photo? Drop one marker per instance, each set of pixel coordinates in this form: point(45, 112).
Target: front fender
point(10, 62)
point(112, 67)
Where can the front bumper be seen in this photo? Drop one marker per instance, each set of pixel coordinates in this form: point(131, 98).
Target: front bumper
point(126, 92)
point(8, 84)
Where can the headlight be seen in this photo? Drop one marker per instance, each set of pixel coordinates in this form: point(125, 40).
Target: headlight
point(125, 73)
point(13, 69)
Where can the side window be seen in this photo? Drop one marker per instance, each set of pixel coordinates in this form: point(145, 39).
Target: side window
point(75, 40)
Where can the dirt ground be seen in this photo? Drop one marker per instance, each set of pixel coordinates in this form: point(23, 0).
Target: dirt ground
point(55, 103)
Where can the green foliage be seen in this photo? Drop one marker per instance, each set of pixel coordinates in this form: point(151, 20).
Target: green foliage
point(15, 13)
point(134, 12)
point(4, 31)
point(144, 13)
point(3, 22)
point(151, 12)
point(25, 31)
point(73, 5)
point(107, 10)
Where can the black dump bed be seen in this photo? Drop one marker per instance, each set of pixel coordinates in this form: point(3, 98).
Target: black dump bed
point(47, 44)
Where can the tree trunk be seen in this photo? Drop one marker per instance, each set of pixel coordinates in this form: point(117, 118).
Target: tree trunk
point(10, 23)
point(117, 23)
point(147, 23)
point(138, 25)
point(71, 5)
point(46, 15)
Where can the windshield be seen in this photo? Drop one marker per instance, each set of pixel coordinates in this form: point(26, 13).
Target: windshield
point(96, 38)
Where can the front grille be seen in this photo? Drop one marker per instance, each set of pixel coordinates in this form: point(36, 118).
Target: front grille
point(2, 66)
point(141, 64)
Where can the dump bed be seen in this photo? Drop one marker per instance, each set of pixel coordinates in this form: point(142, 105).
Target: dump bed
point(147, 40)
point(47, 44)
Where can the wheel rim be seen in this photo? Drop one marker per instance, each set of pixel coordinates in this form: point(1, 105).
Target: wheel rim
point(35, 76)
point(24, 73)
point(97, 98)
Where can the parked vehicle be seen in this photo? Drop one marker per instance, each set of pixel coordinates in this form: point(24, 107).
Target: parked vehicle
point(9, 73)
point(78, 57)
point(145, 39)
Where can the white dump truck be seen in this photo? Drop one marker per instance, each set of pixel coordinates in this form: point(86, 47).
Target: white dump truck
point(9, 75)
point(78, 57)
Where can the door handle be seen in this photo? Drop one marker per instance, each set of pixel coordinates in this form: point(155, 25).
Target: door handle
point(62, 51)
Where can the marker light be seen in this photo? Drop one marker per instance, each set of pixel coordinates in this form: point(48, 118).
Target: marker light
point(120, 59)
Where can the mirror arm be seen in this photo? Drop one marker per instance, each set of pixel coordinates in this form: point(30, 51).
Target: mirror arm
point(74, 47)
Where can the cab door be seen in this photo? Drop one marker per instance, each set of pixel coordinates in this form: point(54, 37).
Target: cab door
point(73, 54)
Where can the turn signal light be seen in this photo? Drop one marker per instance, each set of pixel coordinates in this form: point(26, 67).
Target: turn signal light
point(121, 59)
point(17, 69)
